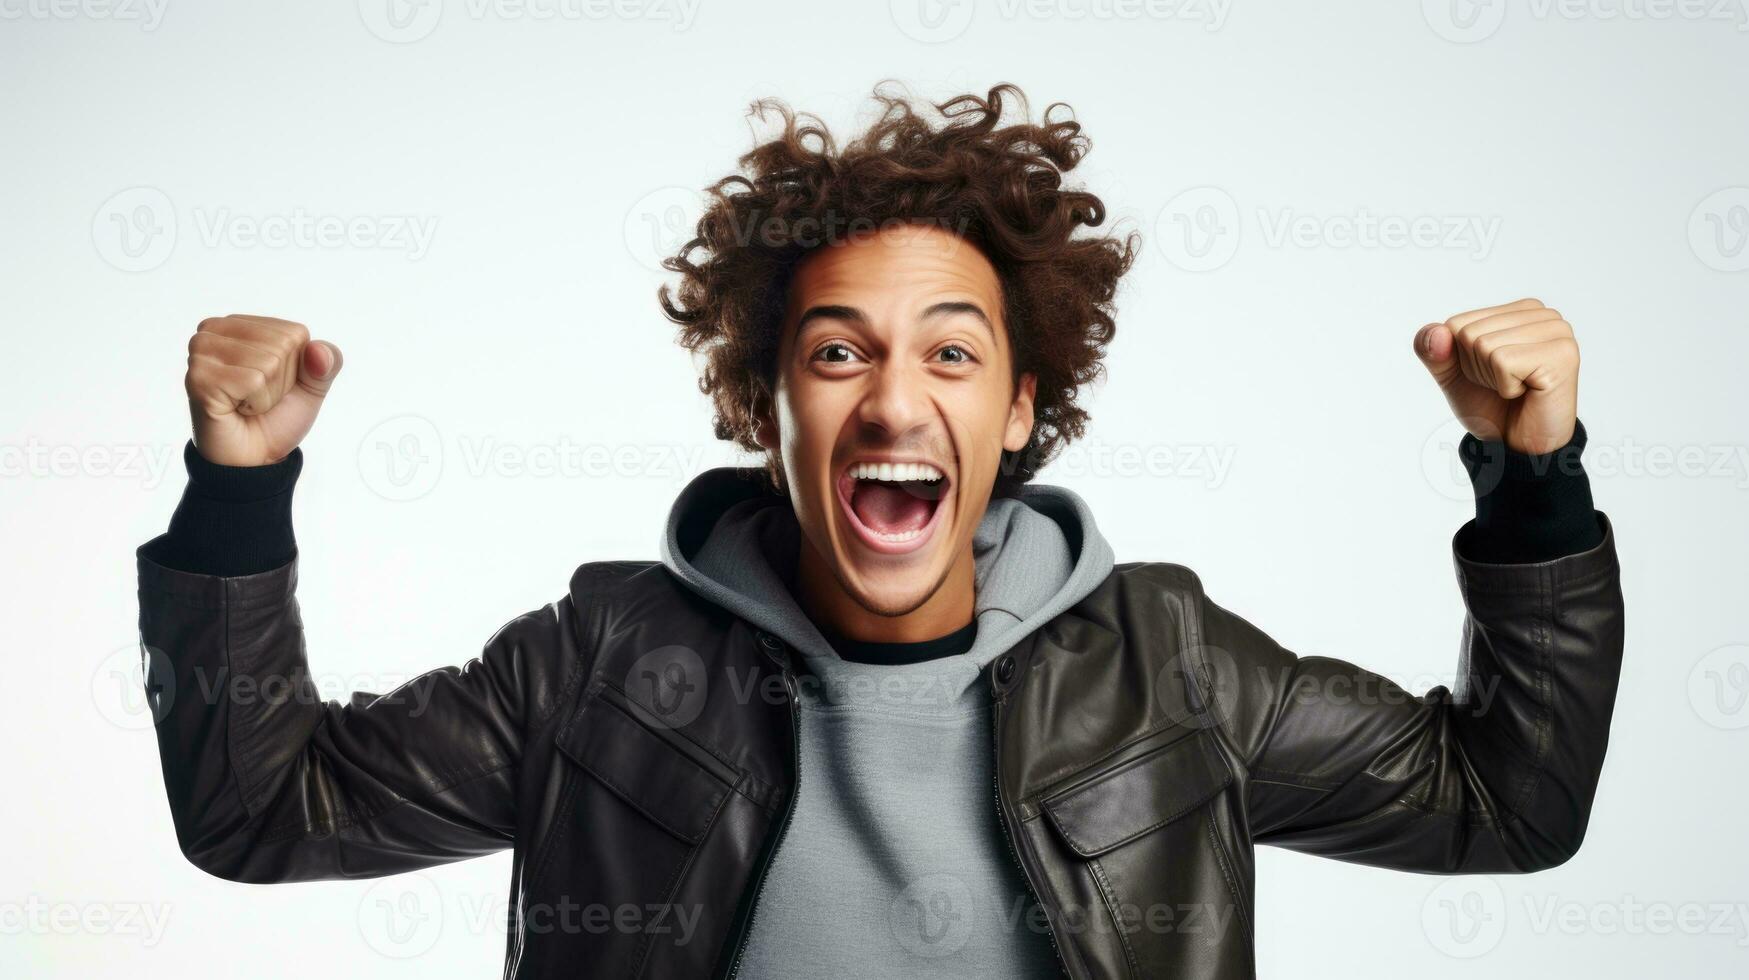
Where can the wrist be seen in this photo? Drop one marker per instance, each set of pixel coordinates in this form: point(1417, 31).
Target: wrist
point(218, 481)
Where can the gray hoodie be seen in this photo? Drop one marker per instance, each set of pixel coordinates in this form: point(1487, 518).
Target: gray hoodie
point(894, 864)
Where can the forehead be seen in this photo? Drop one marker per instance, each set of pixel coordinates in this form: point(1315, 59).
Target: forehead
point(893, 269)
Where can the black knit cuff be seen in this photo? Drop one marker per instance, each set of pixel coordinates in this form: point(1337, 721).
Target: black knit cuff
point(232, 520)
point(1529, 507)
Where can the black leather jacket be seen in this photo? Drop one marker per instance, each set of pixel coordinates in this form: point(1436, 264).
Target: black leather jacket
point(1146, 740)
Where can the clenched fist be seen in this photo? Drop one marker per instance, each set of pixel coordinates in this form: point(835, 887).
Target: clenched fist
point(1508, 372)
point(255, 384)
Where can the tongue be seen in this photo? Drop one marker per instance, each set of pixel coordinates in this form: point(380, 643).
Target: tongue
point(889, 508)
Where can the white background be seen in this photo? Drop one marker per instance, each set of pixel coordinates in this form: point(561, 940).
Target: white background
point(551, 159)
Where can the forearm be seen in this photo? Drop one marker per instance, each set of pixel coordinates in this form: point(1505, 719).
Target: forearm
point(1536, 692)
point(235, 718)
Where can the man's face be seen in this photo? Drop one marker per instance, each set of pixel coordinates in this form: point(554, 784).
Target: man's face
point(894, 351)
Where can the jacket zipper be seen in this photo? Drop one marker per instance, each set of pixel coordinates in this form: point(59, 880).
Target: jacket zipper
point(795, 731)
point(1008, 836)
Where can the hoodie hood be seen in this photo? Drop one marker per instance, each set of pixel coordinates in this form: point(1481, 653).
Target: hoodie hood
point(734, 541)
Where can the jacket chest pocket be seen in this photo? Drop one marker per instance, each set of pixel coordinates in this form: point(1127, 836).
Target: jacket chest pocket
point(636, 801)
point(651, 768)
point(1118, 805)
point(1146, 877)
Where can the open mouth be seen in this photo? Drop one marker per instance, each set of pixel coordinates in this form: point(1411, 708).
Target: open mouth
point(893, 507)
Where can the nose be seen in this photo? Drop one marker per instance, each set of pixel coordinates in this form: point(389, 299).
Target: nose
point(897, 403)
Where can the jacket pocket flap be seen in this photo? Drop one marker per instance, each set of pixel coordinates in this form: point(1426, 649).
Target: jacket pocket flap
point(1137, 796)
point(655, 775)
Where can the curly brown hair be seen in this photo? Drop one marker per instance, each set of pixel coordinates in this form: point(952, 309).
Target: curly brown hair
point(998, 187)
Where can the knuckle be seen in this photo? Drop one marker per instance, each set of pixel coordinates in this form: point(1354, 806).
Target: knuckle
point(290, 338)
point(198, 378)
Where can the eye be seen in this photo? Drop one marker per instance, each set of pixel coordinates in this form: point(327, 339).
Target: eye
point(821, 354)
point(964, 356)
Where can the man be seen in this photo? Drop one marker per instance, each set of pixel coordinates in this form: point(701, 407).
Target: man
point(886, 706)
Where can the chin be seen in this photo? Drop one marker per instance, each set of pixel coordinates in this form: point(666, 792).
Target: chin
point(896, 598)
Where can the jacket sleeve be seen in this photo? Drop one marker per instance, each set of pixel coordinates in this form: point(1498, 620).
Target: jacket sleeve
point(1497, 775)
point(267, 782)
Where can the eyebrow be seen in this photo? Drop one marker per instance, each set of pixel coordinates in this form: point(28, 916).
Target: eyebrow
point(854, 315)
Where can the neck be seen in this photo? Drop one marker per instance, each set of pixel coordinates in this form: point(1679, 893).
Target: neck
point(949, 606)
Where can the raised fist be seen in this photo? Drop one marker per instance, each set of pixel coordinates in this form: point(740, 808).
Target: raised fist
point(255, 384)
point(1509, 372)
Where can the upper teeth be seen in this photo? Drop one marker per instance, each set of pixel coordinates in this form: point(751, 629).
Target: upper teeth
point(894, 472)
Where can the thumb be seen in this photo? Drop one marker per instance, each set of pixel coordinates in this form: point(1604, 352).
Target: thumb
point(316, 369)
point(1437, 349)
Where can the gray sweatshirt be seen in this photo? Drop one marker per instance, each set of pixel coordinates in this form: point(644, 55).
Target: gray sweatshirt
point(894, 864)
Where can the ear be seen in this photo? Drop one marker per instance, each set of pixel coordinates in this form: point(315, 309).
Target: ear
point(765, 430)
point(1019, 430)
